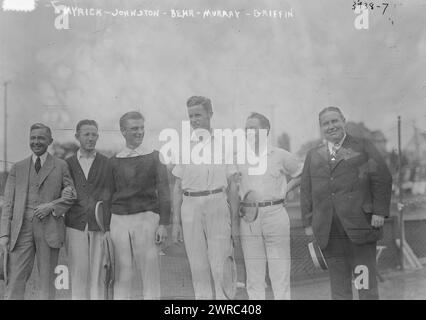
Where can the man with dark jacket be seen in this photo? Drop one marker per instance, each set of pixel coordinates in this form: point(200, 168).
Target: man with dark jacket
point(32, 222)
point(83, 236)
point(345, 196)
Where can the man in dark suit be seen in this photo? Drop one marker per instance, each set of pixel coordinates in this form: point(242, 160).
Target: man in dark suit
point(32, 222)
point(345, 196)
point(83, 235)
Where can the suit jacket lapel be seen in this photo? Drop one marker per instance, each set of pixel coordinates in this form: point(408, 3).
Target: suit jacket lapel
point(323, 151)
point(337, 160)
point(22, 179)
point(23, 175)
point(46, 168)
point(340, 153)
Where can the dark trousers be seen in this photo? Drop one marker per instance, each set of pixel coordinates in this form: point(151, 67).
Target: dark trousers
point(343, 256)
point(30, 245)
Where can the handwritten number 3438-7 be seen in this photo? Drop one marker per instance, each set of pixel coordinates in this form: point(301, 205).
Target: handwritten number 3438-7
point(370, 5)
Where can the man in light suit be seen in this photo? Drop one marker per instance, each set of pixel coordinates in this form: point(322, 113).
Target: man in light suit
point(345, 196)
point(32, 223)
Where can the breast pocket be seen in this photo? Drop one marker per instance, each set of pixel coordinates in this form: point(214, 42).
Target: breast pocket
point(275, 171)
point(358, 163)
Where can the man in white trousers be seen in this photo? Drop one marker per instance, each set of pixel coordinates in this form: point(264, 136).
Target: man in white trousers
point(83, 235)
point(201, 208)
point(138, 210)
point(266, 240)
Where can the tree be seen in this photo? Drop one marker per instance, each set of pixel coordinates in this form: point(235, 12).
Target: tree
point(284, 141)
point(64, 150)
point(308, 146)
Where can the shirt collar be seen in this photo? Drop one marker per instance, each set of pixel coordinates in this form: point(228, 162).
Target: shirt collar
point(43, 158)
point(92, 155)
point(336, 145)
point(139, 151)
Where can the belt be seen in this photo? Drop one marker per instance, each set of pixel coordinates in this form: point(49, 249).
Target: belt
point(262, 203)
point(202, 193)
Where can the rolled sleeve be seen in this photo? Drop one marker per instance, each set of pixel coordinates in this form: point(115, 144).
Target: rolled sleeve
point(178, 171)
point(163, 189)
point(293, 166)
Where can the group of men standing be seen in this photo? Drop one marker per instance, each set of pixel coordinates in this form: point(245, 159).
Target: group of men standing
point(345, 193)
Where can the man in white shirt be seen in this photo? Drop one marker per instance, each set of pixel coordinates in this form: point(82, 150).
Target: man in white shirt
point(201, 210)
point(266, 239)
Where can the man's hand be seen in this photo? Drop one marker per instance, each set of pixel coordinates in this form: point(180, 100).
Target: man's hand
point(69, 193)
point(309, 232)
point(292, 185)
point(161, 234)
point(43, 210)
point(377, 221)
point(4, 243)
point(177, 235)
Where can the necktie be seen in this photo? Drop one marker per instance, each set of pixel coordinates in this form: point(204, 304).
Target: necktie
point(133, 153)
point(334, 149)
point(37, 165)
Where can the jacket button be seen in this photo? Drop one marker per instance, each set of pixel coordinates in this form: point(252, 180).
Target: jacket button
point(331, 178)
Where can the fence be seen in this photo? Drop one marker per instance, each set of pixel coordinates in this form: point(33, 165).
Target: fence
point(176, 276)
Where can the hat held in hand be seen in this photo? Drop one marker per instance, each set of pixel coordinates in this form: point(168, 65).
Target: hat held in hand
point(249, 208)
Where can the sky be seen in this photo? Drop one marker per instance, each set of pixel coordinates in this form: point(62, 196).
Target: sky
point(288, 69)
